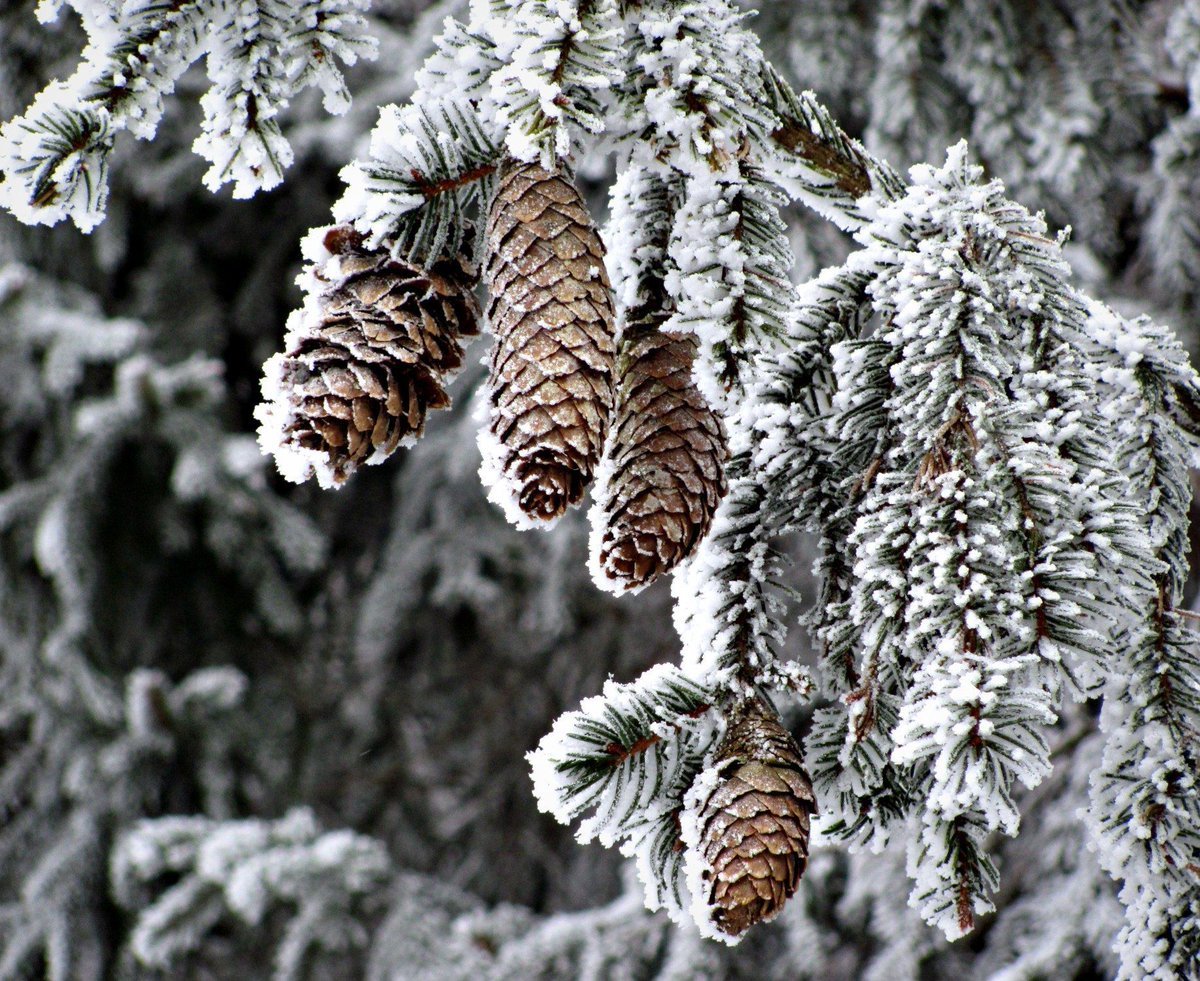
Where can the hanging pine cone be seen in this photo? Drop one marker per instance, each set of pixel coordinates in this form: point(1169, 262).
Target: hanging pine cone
point(551, 311)
point(667, 455)
point(367, 359)
point(754, 826)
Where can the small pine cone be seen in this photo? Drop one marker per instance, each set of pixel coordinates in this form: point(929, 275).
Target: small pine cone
point(668, 455)
point(551, 311)
point(754, 826)
point(371, 355)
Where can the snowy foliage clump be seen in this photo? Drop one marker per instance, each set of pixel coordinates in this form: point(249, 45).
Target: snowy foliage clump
point(1145, 800)
point(976, 502)
point(258, 55)
point(241, 869)
point(628, 756)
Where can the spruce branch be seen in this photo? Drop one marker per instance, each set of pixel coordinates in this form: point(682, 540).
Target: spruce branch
point(685, 99)
point(1145, 811)
point(619, 754)
point(259, 53)
point(556, 63)
point(429, 170)
point(432, 188)
point(629, 755)
point(818, 162)
point(727, 613)
point(241, 871)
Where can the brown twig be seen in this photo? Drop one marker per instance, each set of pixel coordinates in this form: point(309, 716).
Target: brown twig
point(433, 189)
point(849, 175)
point(619, 754)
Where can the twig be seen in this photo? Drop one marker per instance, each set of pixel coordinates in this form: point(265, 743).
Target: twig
point(619, 754)
point(432, 190)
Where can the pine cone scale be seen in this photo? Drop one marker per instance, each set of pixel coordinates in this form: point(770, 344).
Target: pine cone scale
point(372, 354)
point(668, 459)
point(552, 314)
point(754, 827)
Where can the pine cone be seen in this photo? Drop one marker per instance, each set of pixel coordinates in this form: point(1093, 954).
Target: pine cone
point(754, 826)
point(668, 456)
point(372, 356)
point(551, 311)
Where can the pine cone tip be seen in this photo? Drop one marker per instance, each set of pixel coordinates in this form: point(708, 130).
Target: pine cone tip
point(532, 494)
point(547, 490)
point(342, 239)
point(629, 560)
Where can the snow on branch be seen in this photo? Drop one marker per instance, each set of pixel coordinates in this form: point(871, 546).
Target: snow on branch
point(585, 760)
point(427, 172)
point(629, 755)
point(730, 248)
point(558, 57)
point(55, 162)
point(691, 95)
point(817, 162)
point(241, 871)
point(1145, 812)
point(430, 164)
point(259, 53)
point(972, 472)
point(695, 104)
point(728, 614)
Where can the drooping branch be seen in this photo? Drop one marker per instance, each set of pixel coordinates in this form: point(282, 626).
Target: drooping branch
point(823, 166)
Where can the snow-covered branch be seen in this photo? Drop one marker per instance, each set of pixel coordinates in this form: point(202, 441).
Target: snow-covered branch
point(259, 54)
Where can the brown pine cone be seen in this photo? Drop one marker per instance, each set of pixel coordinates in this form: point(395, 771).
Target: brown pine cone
point(551, 311)
point(667, 456)
point(754, 827)
point(370, 357)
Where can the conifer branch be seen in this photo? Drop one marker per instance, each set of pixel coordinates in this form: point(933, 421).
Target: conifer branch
point(54, 158)
point(620, 754)
point(828, 170)
point(432, 189)
point(825, 156)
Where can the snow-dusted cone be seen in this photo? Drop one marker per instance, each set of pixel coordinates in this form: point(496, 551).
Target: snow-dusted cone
point(551, 311)
point(667, 457)
point(754, 827)
point(366, 359)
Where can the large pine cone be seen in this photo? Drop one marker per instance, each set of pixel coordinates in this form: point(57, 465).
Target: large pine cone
point(551, 311)
point(668, 455)
point(372, 355)
point(755, 825)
